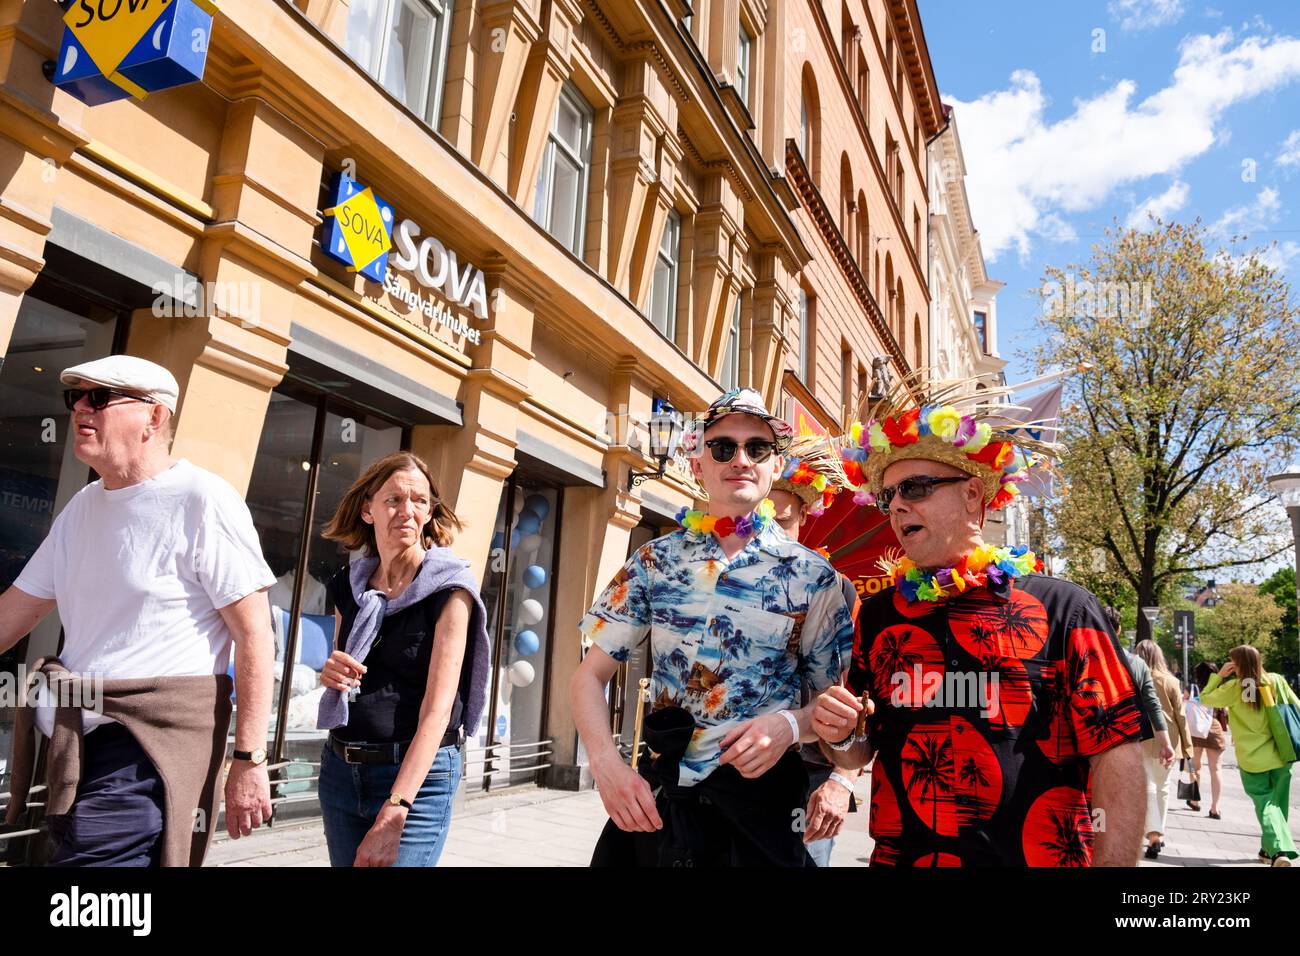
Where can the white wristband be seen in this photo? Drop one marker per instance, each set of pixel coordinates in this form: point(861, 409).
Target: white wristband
point(794, 724)
point(842, 780)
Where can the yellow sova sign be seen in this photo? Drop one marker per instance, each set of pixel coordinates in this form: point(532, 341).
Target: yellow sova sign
point(115, 48)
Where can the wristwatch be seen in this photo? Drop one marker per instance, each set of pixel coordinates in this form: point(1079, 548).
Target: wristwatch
point(396, 800)
point(255, 757)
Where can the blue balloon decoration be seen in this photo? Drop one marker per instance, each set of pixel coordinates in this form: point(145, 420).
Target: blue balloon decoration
point(529, 522)
point(534, 576)
point(514, 539)
point(527, 643)
point(498, 540)
point(538, 505)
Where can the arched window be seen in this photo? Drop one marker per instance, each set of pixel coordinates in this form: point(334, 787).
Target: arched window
point(900, 317)
point(888, 303)
point(864, 238)
point(847, 205)
point(916, 340)
point(810, 137)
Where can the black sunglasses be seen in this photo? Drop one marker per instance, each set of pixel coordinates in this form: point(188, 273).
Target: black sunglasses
point(724, 449)
point(912, 489)
point(99, 397)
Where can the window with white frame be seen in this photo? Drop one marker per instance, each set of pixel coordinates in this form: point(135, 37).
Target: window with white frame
point(805, 334)
point(743, 58)
point(561, 204)
point(663, 290)
point(730, 377)
point(403, 44)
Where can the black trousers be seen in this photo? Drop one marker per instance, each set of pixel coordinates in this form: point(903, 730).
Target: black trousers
point(724, 820)
point(117, 819)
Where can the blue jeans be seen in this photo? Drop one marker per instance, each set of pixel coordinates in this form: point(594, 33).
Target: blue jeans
point(820, 851)
point(351, 796)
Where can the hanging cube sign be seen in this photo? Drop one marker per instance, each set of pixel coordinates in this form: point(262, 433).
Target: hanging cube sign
point(360, 229)
point(113, 49)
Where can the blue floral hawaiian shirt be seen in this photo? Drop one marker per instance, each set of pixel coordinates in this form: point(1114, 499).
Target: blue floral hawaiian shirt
point(730, 640)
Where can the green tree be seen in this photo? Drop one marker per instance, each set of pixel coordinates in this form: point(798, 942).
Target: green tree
point(1242, 616)
point(1281, 588)
point(1191, 398)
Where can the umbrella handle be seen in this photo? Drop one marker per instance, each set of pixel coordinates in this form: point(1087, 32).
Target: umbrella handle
point(642, 694)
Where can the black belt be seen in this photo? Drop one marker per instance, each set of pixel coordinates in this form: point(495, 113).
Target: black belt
point(391, 753)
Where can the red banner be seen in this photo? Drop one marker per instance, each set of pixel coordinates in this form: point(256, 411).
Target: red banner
point(856, 538)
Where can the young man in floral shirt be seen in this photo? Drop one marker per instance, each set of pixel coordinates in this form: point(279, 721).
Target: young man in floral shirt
point(738, 616)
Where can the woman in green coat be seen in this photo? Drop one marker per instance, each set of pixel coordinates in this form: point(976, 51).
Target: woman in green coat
point(1265, 776)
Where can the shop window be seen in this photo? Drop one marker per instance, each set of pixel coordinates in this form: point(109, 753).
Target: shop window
point(744, 54)
point(561, 203)
point(730, 375)
point(39, 471)
point(311, 451)
point(663, 291)
point(508, 747)
point(403, 44)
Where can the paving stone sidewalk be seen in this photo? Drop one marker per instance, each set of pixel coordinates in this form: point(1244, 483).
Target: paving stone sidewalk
point(530, 826)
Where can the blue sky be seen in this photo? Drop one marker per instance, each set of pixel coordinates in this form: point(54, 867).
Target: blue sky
point(1177, 106)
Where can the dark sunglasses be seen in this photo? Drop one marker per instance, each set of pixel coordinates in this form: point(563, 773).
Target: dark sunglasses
point(912, 489)
point(724, 449)
point(99, 397)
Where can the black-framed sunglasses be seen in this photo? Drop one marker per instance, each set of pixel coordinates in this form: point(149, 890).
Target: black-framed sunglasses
point(100, 397)
point(915, 488)
point(759, 450)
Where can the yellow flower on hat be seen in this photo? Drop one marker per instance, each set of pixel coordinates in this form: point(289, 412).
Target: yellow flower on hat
point(855, 433)
point(944, 422)
point(876, 438)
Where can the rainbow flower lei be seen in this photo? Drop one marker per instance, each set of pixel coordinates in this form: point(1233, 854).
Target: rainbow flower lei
point(987, 564)
point(699, 522)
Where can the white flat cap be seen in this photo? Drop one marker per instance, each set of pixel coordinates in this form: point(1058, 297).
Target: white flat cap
point(127, 372)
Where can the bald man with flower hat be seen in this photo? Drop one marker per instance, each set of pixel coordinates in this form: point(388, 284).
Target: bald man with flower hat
point(1000, 714)
point(738, 618)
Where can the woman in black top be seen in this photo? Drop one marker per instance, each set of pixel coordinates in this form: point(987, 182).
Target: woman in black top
point(400, 676)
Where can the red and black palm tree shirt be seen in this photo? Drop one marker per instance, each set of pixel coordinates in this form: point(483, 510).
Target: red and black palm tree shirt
point(988, 707)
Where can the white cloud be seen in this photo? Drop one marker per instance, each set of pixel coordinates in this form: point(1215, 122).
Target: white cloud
point(1290, 155)
point(1144, 14)
point(1249, 218)
point(1252, 218)
point(1023, 169)
point(1162, 206)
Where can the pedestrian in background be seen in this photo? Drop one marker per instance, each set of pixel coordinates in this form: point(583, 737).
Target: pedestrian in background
point(1265, 776)
point(1159, 761)
point(1211, 745)
point(408, 675)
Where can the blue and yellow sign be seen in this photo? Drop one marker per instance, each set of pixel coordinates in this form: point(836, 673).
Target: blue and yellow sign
point(360, 232)
point(112, 49)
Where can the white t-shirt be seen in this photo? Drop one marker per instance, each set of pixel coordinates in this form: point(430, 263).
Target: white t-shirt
point(140, 573)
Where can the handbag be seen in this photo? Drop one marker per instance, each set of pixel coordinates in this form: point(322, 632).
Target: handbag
point(1189, 789)
point(1283, 722)
point(1199, 717)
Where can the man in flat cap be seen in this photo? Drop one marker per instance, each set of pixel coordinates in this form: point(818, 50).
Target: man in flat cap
point(155, 568)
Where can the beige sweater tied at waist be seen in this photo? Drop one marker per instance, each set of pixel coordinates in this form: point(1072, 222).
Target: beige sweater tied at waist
point(179, 722)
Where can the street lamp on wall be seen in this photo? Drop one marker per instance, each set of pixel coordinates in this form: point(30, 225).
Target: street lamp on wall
point(1286, 485)
point(665, 434)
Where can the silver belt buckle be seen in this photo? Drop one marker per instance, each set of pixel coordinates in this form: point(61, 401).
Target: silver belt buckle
point(349, 750)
